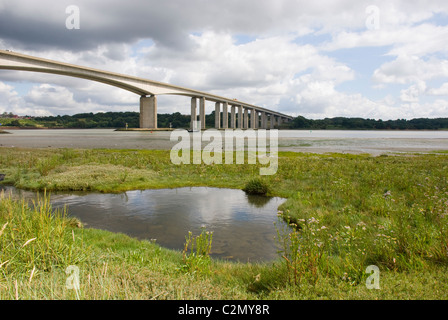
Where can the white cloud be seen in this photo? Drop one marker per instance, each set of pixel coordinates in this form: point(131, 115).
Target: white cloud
point(50, 96)
point(408, 69)
point(413, 92)
point(48, 99)
point(322, 100)
point(419, 40)
point(436, 109)
point(442, 91)
point(8, 98)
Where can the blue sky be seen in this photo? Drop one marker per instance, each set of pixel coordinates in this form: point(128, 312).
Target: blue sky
point(316, 59)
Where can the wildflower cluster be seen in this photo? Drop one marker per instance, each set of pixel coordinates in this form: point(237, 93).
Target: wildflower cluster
point(303, 249)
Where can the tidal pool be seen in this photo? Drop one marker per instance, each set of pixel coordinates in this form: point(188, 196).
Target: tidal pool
point(244, 226)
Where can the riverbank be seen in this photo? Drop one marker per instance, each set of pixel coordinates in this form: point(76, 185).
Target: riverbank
point(352, 211)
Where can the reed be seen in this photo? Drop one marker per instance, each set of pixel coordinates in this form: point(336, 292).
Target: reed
point(196, 253)
point(34, 239)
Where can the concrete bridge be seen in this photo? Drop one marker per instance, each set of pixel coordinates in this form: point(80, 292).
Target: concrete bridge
point(242, 115)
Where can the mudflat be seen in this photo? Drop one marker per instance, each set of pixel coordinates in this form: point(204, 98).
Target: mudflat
point(297, 141)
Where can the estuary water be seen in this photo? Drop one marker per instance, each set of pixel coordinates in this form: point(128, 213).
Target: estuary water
point(374, 142)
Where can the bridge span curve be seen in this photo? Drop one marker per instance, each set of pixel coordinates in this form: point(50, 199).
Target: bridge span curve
point(148, 91)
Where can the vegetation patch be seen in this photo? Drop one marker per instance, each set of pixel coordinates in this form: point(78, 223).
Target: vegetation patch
point(256, 186)
point(94, 177)
point(35, 238)
point(196, 253)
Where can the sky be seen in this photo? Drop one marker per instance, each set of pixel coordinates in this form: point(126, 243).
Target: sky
point(318, 59)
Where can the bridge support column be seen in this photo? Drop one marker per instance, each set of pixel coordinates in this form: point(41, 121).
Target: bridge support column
point(225, 116)
point(246, 119)
point(148, 112)
point(264, 123)
point(240, 117)
point(217, 115)
point(272, 121)
point(194, 116)
point(253, 119)
point(232, 117)
point(202, 112)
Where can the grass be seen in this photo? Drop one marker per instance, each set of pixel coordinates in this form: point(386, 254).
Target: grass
point(196, 253)
point(347, 211)
point(256, 186)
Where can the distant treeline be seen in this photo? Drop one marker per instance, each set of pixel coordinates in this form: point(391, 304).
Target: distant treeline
point(369, 124)
point(178, 120)
point(112, 120)
point(118, 120)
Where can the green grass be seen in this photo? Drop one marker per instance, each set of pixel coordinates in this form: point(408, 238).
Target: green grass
point(256, 186)
point(348, 212)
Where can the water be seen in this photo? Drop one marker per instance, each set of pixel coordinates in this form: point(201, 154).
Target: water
point(374, 142)
point(347, 141)
point(243, 226)
point(357, 134)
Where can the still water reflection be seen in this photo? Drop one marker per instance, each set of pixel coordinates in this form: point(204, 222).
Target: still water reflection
point(243, 226)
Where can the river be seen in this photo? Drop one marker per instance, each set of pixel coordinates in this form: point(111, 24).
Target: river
point(374, 142)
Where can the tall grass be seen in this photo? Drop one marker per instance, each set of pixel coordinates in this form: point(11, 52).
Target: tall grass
point(196, 253)
point(35, 239)
point(304, 251)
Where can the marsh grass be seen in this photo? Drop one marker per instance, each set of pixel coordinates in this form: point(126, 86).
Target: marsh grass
point(256, 186)
point(94, 176)
point(347, 212)
point(196, 253)
point(35, 239)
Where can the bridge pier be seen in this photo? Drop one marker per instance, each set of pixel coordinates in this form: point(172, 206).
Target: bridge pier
point(246, 119)
point(202, 112)
point(232, 117)
point(194, 116)
point(225, 115)
point(148, 112)
point(240, 117)
point(217, 115)
point(264, 123)
point(253, 118)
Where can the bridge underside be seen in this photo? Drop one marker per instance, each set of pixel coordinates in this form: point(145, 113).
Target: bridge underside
point(148, 91)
